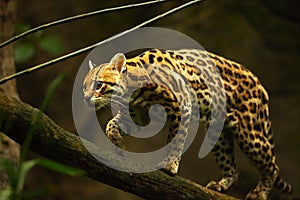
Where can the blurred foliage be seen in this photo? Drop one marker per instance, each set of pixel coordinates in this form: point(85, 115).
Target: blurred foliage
point(262, 35)
point(25, 49)
point(18, 173)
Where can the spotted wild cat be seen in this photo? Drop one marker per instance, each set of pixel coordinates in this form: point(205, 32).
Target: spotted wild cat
point(247, 114)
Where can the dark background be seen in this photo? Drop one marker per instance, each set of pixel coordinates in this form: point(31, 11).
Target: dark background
point(262, 35)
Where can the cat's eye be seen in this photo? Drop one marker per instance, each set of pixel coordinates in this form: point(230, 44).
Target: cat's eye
point(99, 84)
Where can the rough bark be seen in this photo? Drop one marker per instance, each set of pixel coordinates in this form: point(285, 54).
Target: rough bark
point(53, 142)
point(8, 148)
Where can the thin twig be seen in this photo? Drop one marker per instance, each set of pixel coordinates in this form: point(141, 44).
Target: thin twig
point(83, 50)
point(69, 19)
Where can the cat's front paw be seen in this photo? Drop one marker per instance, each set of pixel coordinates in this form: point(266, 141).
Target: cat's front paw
point(171, 169)
point(256, 195)
point(216, 186)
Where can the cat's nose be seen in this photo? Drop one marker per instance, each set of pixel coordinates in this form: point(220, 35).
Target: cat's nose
point(87, 98)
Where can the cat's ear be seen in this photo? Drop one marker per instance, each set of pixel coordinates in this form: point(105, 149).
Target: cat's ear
point(119, 62)
point(92, 65)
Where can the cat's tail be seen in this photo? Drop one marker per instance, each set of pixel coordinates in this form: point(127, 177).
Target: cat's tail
point(283, 186)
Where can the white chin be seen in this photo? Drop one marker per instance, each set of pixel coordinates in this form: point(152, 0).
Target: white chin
point(97, 107)
point(92, 105)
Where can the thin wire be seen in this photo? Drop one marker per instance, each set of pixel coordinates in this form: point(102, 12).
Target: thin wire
point(83, 50)
point(69, 19)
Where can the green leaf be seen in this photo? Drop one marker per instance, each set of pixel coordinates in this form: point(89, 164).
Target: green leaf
point(22, 27)
point(49, 93)
point(10, 169)
point(5, 194)
point(25, 167)
point(62, 168)
point(51, 44)
point(23, 52)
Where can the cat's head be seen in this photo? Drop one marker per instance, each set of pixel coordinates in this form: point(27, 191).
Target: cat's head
point(101, 81)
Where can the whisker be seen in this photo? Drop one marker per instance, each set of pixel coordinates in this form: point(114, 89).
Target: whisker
point(118, 103)
point(112, 102)
point(120, 98)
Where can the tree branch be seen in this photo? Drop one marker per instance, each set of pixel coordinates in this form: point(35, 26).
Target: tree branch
point(51, 141)
point(8, 148)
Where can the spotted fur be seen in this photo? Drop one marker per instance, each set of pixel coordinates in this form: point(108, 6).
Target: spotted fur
point(247, 115)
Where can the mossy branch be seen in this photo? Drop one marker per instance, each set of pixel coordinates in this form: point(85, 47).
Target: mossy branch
point(52, 141)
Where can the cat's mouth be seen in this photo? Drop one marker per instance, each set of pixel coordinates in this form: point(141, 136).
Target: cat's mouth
point(96, 104)
point(89, 103)
point(88, 100)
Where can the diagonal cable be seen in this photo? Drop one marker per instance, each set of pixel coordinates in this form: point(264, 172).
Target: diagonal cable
point(88, 48)
point(73, 18)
